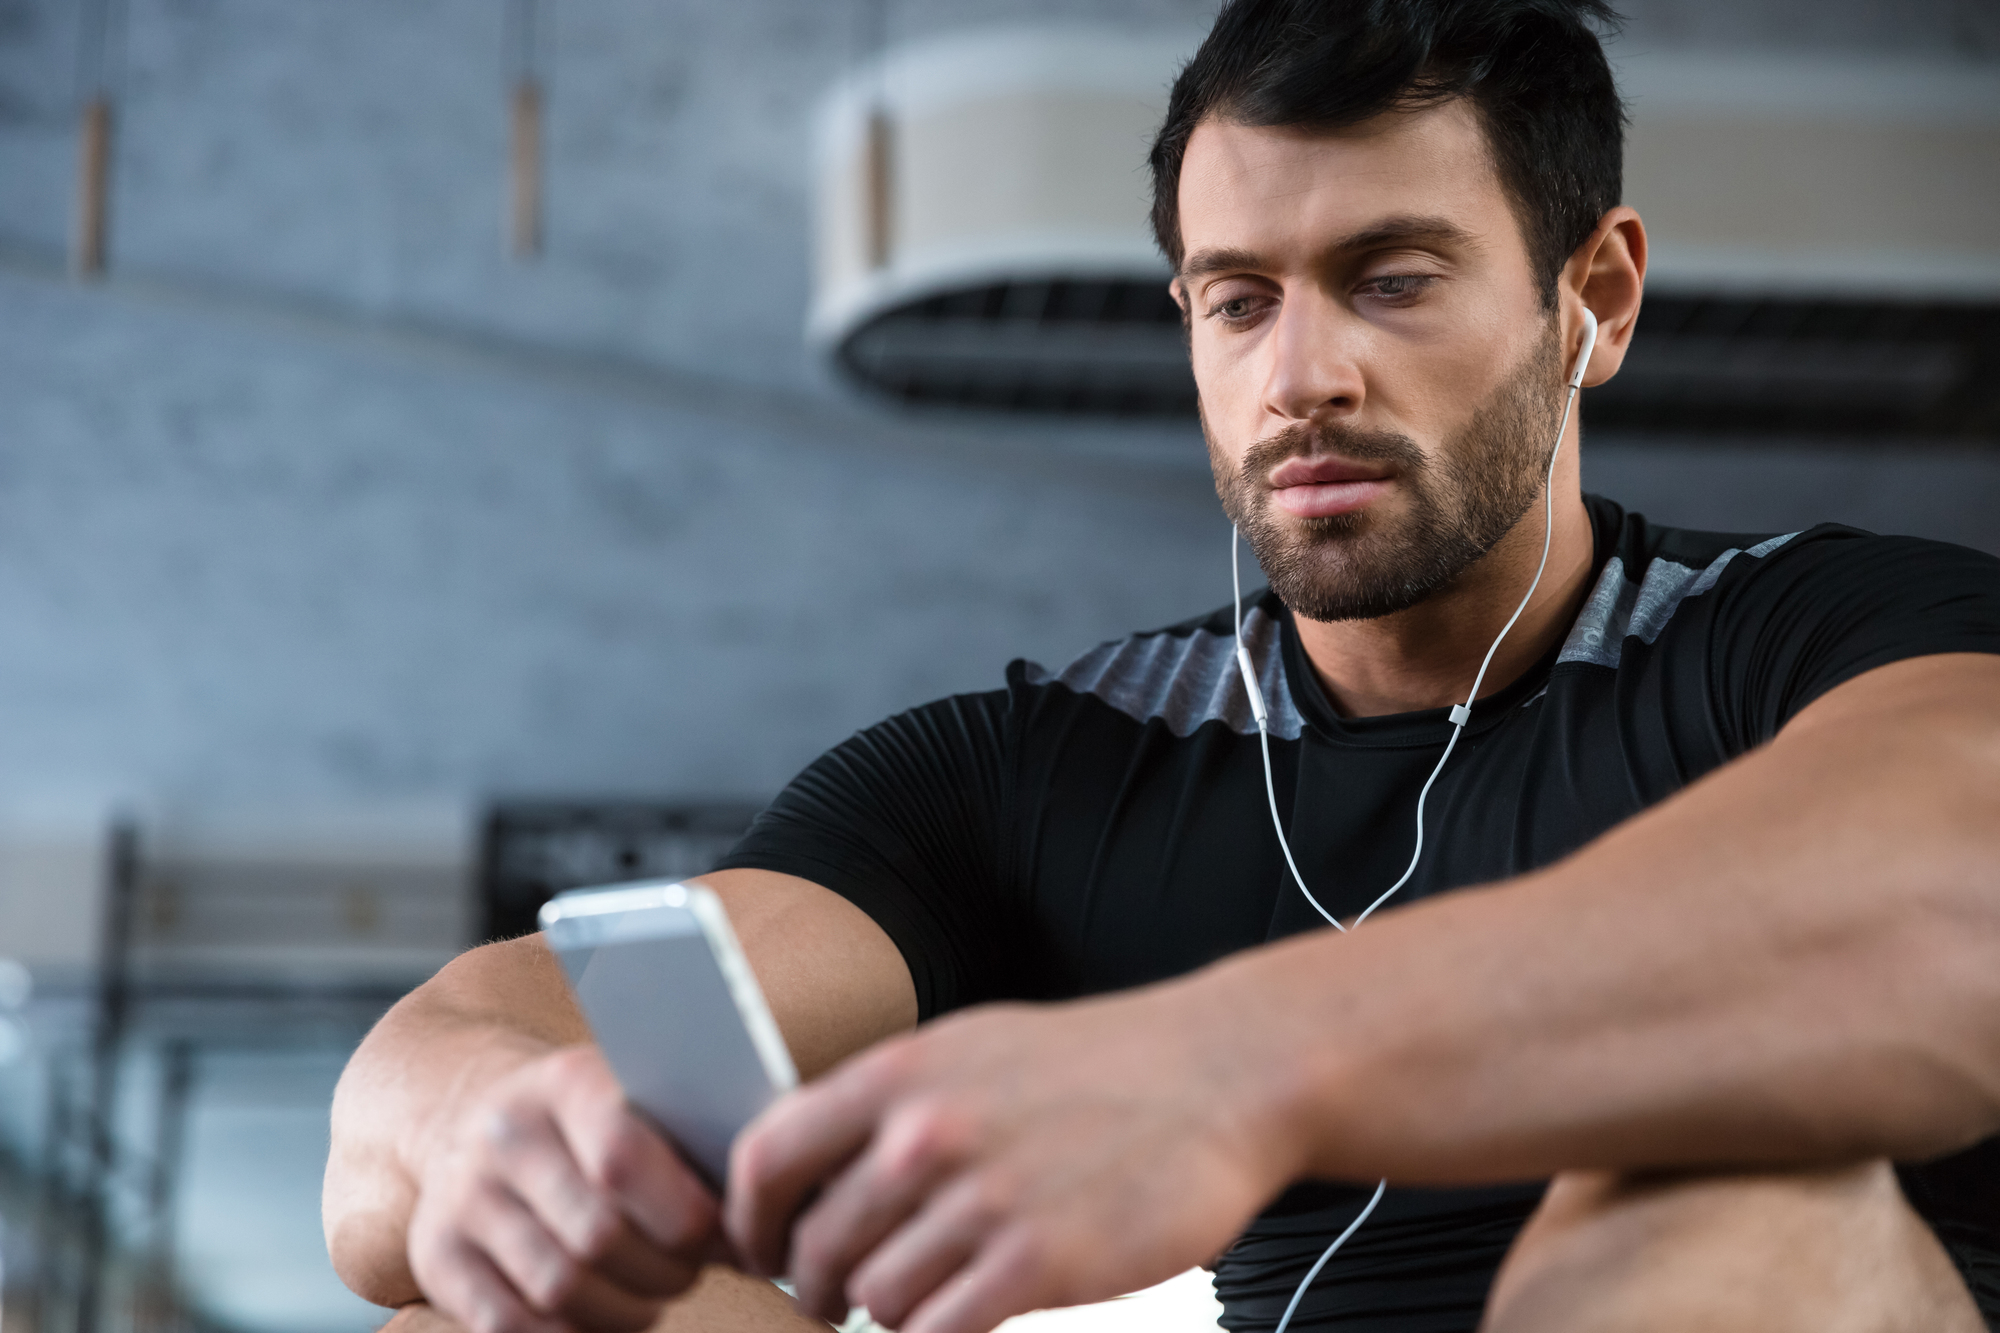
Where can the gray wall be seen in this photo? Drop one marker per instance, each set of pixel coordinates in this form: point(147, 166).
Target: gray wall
point(243, 556)
point(320, 498)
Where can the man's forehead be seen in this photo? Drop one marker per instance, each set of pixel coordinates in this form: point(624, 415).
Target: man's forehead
point(1250, 188)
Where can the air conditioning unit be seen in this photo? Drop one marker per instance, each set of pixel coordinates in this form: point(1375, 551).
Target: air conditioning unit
point(1825, 251)
point(982, 223)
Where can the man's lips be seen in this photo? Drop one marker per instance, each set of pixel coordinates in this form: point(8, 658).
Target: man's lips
point(1322, 487)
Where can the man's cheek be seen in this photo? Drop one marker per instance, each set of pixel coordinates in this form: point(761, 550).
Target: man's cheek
point(1226, 388)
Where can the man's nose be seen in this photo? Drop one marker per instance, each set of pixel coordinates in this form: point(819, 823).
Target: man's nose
point(1314, 369)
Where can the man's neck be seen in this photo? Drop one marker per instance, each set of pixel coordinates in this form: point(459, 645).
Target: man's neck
point(1427, 656)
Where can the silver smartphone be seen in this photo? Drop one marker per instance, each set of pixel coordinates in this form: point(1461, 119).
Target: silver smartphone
point(675, 1009)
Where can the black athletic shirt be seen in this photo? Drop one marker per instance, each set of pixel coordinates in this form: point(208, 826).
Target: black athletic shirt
point(1105, 826)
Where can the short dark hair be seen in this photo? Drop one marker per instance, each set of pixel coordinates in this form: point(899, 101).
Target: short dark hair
point(1532, 69)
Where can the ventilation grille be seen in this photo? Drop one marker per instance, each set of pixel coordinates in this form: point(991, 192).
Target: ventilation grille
point(1735, 366)
point(1699, 364)
point(1108, 348)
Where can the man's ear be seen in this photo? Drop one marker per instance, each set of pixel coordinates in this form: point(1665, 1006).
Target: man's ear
point(1608, 274)
point(1179, 293)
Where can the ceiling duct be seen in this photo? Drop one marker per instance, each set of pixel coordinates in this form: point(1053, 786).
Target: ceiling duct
point(1826, 255)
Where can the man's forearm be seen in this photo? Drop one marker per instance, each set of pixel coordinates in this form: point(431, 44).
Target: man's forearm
point(459, 1032)
point(1796, 959)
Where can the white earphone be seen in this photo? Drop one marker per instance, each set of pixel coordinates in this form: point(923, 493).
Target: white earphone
point(1460, 714)
point(1583, 352)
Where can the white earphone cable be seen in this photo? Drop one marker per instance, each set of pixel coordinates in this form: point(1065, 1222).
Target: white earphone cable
point(1381, 1188)
point(1459, 716)
point(1264, 739)
point(1463, 713)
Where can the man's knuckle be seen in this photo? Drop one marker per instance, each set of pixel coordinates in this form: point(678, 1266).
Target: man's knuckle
point(924, 1135)
point(906, 1153)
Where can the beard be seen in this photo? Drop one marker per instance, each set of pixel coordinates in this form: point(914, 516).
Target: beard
point(1462, 501)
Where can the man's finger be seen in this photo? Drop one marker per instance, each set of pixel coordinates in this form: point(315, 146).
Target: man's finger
point(472, 1290)
point(540, 1168)
point(616, 1152)
point(1009, 1277)
point(927, 1253)
point(588, 1219)
point(797, 1144)
point(549, 1279)
point(904, 1161)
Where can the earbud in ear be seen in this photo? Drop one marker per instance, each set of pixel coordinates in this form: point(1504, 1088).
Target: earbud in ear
point(1583, 355)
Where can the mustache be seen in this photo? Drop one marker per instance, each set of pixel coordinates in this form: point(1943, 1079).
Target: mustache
point(1304, 439)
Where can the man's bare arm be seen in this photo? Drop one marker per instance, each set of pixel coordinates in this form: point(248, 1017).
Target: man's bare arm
point(421, 1084)
point(1796, 959)
point(485, 1014)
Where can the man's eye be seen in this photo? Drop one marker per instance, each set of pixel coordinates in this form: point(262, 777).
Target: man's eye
point(1236, 308)
point(1400, 286)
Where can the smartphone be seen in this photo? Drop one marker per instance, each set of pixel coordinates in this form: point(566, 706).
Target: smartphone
point(675, 1009)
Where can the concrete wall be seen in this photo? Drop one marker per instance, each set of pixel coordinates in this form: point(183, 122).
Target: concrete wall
point(320, 498)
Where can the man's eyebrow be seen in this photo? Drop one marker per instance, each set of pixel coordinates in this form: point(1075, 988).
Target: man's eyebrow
point(1376, 236)
point(1204, 262)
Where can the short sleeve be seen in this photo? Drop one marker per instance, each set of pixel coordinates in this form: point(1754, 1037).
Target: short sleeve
point(1834, 603)
point(905, 821)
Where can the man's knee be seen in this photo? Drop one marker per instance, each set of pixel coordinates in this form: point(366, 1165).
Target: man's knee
point(724, 1301)
point(1838, 1251)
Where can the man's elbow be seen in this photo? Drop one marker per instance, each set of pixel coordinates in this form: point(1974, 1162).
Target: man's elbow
point(367, 1255)
point(365, 1207)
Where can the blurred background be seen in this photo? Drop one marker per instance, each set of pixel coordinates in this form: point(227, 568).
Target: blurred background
point(455, 449)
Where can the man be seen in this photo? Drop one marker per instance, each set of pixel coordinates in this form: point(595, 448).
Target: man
point(1704, 928)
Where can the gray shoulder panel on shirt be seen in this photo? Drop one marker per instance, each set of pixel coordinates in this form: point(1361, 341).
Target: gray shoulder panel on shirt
point(1185, 680)
point(1618, 608)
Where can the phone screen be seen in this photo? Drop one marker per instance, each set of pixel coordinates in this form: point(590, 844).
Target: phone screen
point(675, 1009)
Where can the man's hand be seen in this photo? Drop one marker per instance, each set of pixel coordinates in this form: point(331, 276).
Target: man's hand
point(483, 1158)
point(551, 1208)
point(1010, 1159)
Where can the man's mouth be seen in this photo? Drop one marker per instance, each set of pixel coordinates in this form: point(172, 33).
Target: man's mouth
point(1325, 486)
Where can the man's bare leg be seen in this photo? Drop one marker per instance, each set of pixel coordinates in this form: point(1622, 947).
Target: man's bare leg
point(724, 1301)
point(1817, 1252)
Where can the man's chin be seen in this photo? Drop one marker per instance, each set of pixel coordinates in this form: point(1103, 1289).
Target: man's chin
point(1349, 576)
point(1346, 603)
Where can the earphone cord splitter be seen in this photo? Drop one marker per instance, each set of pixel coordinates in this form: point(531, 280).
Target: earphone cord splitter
point(1460, 715)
